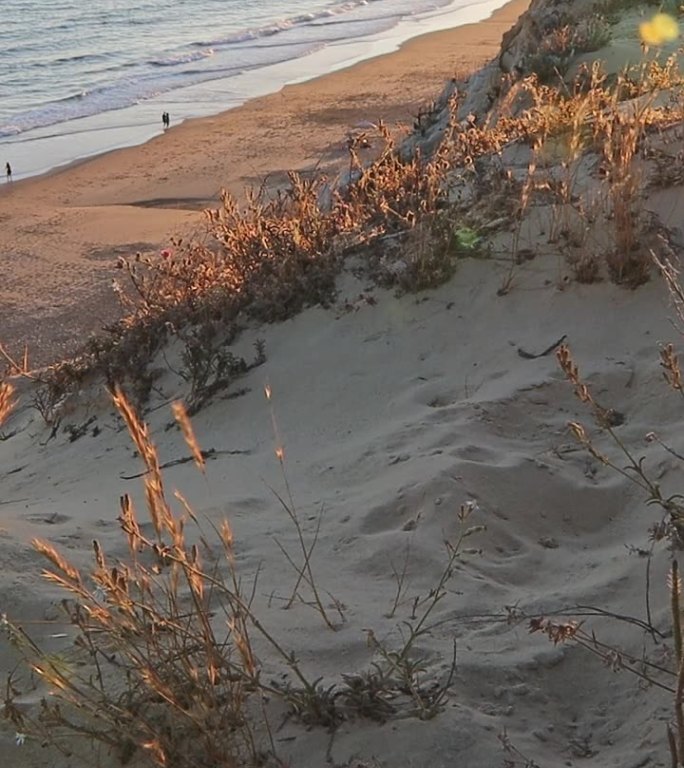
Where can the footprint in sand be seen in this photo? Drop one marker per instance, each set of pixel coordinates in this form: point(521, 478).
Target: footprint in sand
point(53, 519)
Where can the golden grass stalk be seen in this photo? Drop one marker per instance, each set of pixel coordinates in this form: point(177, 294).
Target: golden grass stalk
point(672, 372)
point(7, 401)
point(181, 416)
point(160, 513)
point(50, 553)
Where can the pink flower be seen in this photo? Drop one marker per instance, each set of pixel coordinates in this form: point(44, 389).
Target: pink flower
point(166, 253)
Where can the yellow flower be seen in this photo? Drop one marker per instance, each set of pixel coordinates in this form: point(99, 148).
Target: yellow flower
point(662, 28)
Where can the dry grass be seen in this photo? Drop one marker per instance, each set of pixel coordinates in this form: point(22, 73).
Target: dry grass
point(267, 260)
point(561, 45)
point(655, 670)
point(164, 668)
point(400, 216)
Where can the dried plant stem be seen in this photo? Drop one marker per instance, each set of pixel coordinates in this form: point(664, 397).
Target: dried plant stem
point(305, 572)
point(400, 579)
point(15, 368)
point(675, 590)
point(675, 593)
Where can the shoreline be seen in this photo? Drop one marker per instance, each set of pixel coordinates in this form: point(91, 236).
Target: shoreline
point(44, 150)
point(62, 231)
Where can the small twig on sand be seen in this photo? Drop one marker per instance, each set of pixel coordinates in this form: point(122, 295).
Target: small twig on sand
point(212, 453)
point(547, 351)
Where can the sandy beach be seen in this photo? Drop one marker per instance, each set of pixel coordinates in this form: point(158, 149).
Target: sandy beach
point(430, 514)
point(61, 233)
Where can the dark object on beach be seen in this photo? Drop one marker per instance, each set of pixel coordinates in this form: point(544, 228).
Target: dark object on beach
point(166, 120)
point(8, 168)
point(531, 356)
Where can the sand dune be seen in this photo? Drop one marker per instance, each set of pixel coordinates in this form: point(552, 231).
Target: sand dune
point(394, 413)
point(392, 417)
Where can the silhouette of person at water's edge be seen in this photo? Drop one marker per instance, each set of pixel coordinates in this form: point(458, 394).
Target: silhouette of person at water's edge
point(8, 168)
point(166, 120)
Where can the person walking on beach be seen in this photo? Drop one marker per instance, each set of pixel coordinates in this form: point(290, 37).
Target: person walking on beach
point(166, 121)
point(8, 168)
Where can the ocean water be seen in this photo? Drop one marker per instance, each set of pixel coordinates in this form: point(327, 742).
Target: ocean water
point(84, 77)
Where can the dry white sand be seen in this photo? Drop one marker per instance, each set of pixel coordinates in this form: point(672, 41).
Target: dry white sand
point(393, 416)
